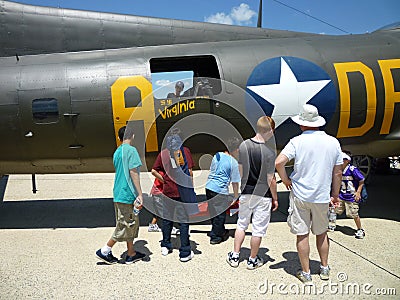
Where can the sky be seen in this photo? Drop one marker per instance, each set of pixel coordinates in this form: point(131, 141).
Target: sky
point(334, 17)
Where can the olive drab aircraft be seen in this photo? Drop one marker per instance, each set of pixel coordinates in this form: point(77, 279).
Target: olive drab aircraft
point(70, 79)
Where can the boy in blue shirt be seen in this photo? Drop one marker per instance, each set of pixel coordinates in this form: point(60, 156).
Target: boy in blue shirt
point(126, 190)
point(224, 170)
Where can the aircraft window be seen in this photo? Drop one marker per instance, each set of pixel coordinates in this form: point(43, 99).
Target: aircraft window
point(204, 66)
point(164, 83)
point(45, 110)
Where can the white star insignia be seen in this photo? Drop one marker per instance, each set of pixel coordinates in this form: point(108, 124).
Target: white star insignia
point(289, 95)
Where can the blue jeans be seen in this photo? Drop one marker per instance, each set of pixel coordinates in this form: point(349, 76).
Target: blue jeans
point(220, 203)
point(166, 229)
point(185, 248)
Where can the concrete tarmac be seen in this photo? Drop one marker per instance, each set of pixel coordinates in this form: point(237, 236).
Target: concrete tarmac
point(49, 240)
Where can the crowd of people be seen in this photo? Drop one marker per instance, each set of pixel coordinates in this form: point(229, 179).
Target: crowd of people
point(322, 177)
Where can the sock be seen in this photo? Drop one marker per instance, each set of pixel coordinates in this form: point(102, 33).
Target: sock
point(324, 268)
point(252, 259)
point(235, 254)
point(105, 250)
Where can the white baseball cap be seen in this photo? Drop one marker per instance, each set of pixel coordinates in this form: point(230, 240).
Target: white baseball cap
point(309, 117)
point(346, 156)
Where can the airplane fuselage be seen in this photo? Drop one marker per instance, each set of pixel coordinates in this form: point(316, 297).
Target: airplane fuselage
point(59, 113)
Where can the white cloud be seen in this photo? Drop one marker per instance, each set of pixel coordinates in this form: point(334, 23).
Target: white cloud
point(239, 15)
point(220, 18)
point(243, 14)
point(163, 82)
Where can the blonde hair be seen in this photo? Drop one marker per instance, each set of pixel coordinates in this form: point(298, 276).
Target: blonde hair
point(265, 124)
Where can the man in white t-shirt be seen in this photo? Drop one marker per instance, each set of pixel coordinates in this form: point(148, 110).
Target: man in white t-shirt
point(314, 182)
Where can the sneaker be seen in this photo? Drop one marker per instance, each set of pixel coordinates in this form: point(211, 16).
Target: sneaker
point(108, 259)
point(304, 277)
point(233, 261)
point(131, 259)
point(324, 272)
point(165, 251)
point(251, 265)
point(216, 241)
point(187, 258)
point(175, 231)
point(219, 240)
point(360, 234)
point(154, 228)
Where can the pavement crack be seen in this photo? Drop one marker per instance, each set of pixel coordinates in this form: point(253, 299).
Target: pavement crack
point(363, 257)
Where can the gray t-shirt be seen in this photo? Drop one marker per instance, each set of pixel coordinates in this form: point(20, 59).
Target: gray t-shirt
point(257, 160)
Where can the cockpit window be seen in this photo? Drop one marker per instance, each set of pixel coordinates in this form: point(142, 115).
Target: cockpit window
point(45, 110)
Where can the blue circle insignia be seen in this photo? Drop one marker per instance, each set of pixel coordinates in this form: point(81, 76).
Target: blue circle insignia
point(281, 86)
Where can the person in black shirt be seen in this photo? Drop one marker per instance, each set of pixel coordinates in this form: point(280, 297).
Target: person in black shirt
point(259, 194)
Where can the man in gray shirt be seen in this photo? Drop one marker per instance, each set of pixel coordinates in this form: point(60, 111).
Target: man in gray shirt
point(259, 195)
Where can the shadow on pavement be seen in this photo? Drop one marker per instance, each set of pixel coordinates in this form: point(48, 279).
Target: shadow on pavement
point(90, 213)
point(140, 246)
point(263, 254)
point(291, 264)
point(75, 213)
point(176, 243)
point(346, 230)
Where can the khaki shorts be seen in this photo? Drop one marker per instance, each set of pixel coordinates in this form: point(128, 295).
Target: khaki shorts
point(350, 207)
point(127, 224)
point(258, 210)
point(303, 215)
